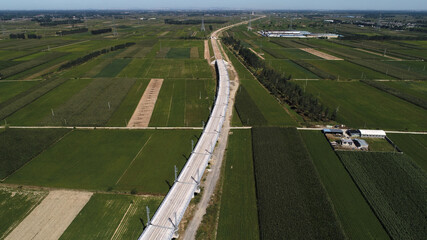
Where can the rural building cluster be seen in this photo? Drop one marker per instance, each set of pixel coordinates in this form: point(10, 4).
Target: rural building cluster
point(352, 139)
point(297, 34)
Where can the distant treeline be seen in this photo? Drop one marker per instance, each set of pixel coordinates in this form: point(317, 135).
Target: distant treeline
point(22, 36)
point(60, 22)
point(74, 31)
point(100, 31)
point(192, 21)
point(89, 56)
point(305, 104)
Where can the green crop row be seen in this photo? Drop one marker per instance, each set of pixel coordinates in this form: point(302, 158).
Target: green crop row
point(94, 105)
point(247, 110)
point(396, 189)
point(292, 203)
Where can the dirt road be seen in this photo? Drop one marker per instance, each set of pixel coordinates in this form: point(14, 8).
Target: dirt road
point(142, 115)
point(321, 54)
point(51, 217)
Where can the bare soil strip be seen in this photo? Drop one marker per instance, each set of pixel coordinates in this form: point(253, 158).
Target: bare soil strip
point(320, 54)
point(163, 33)
point(259, 55)
point(52, 217)
point(207, 54)
point(379, 54)
point(142, 115)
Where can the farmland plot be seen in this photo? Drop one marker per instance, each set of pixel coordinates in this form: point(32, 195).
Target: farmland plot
point(357, 218)
point(18, 146)
point(114, 68)
point(396, 189)
point(15, 204)
point(363, 106)
point(10, 89)
point(108, 216)
point(238, 217)
point(413, 145)
point(94, 105)
point(292, 203)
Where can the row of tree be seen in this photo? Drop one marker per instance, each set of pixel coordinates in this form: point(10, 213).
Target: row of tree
point(22, 36)
point(100, 31)
point(192, 21)
point(73, 31)
point(280, 86)
point(60, 22)
point(89, 56)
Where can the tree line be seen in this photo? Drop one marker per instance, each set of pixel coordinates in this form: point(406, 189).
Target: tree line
point(22, 36)
point(100, 31)
point(74, 31)
point(91, 55)
point(192, 21)
point(279, 85)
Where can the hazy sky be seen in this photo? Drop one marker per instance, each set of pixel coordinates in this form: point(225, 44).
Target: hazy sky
point(206, 4)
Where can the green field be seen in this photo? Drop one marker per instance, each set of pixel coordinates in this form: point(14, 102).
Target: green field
point(103, 159)
point(355, 215)
point(292, 203)
point(413, 145)
point(246, 109)
point(395, 188)
point(93, 105)
point(35, 112)
point(18, 146)
point(362, 106)
point(238, 217)
point(109, 216)
point(183, 102)
point(178, 53)
point(125, 110)
point(114, 68)
point(417, 89)
point(15, 205)
point(291, 69)
point(343, 70)
point(10, 89)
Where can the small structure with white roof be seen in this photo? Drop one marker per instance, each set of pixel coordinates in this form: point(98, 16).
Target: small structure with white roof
point(364, 133)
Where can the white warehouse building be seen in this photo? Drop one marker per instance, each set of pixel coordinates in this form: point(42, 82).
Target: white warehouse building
point(372, 133)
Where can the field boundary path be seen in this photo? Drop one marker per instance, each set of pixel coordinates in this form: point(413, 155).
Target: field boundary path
point(321, 54)
point(142, 115)
point(379, 54)
point(165, 222)
point(259, 55)
point(52, 216)
point(207, 53)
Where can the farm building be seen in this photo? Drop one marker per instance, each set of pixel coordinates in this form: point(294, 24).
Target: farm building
point(332, 131)
point(372, 133)
point(361, 144)
point(346, 143)
point(353, 133)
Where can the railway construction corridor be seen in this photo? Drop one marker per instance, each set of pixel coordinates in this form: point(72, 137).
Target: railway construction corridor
point(165, 221)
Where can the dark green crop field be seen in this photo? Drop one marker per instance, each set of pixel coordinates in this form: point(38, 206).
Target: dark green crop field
point(19, 146)
point(292, 202)
point(354, 213)
point(238, 217)
point(10, 89)
point(114, 68)
point(412, 145)
point(395, 188)
point(109, 216)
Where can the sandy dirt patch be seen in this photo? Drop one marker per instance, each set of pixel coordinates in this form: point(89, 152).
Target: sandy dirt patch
point(259, 55)
point(320, 54)
point(207, 53)
point(52, 216)
point(142, 115)
point(379, 54)
point(163, 33)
